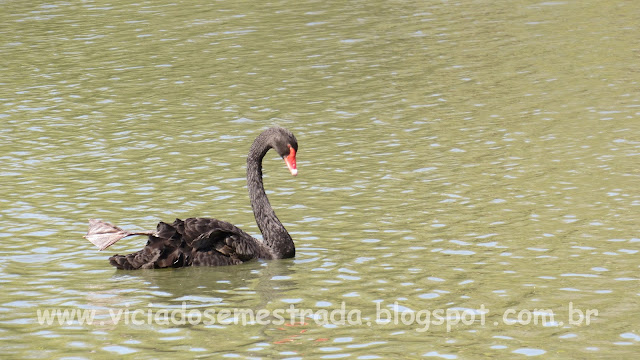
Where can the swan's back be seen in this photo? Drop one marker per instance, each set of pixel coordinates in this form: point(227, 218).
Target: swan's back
point(197, 242)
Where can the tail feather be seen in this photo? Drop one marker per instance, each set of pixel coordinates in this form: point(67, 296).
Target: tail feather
point(158, 253)
point(143, 259)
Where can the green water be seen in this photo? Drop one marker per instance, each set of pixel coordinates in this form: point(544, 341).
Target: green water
point(475, 155)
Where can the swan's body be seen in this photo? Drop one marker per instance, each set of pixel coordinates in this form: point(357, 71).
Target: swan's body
point(212, 242)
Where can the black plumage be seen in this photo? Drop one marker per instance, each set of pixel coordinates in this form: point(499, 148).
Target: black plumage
point(211, 242)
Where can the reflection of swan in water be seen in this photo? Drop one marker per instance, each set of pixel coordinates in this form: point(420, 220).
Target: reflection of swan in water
point(253, 286)
point(212, 242)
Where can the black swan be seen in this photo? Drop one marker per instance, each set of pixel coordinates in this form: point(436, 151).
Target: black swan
point(212, 242)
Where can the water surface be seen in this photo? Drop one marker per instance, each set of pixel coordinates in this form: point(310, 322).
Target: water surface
point(475, 157)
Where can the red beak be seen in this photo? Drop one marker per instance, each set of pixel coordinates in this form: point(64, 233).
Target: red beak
point(290, 160)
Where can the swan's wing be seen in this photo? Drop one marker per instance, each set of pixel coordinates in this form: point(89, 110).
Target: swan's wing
point(194, 241)
point(221, 243)
point(193, 228)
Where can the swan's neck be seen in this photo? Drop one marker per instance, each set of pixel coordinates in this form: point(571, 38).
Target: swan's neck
point(273, 232)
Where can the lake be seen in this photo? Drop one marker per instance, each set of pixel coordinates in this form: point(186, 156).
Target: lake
point(467, 187)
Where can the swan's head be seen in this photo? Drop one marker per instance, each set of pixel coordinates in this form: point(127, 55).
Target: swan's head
point(283, 142)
